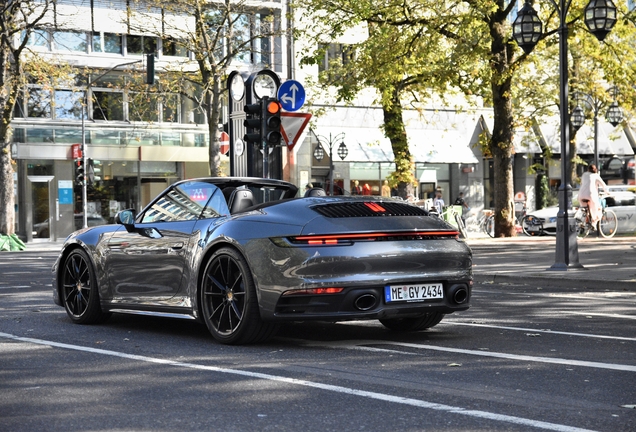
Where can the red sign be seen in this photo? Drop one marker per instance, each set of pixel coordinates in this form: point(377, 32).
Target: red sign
point(76, 151)
point(225, 143)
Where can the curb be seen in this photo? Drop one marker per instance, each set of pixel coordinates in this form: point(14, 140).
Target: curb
point(554, 281)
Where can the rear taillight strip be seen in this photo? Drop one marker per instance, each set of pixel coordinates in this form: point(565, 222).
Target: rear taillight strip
point(340, 239)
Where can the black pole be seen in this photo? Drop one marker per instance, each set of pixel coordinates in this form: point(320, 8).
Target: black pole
point(567, 253)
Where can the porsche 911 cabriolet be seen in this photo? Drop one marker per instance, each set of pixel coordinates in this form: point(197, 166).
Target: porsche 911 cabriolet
point(243, 255)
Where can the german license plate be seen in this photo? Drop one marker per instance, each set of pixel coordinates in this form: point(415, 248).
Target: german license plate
point(413, 293)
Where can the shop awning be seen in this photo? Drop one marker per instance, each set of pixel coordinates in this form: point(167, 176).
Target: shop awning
point(433, 141)
point(611, 140)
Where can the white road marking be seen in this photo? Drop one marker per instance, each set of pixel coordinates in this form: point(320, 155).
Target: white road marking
point(327, 387)
point(541, 331)
point(568, 362)
point(632, 317)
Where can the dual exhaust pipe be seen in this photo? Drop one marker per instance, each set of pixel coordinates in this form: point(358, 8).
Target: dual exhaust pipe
point(458, 294)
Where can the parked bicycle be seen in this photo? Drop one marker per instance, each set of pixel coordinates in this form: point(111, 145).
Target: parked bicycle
point(487, 223)
point(606, 227)
point(453, 215)
point(528, 224)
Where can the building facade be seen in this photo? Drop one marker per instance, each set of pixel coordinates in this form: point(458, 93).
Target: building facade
point(138, 140)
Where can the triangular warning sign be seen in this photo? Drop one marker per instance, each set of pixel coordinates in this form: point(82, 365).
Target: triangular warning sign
point(292, 126)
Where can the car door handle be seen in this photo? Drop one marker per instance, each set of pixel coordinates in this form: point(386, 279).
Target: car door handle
point(176, 246)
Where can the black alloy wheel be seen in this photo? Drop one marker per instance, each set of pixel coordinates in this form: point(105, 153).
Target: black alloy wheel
point(228, 301)
point(79, 289)
point(423, 322)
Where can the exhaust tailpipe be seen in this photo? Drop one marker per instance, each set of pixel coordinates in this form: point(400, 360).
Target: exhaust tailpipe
point(459, 294)
point(365, 302)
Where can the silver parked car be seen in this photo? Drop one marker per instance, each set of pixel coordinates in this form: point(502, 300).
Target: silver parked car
point(243, 255)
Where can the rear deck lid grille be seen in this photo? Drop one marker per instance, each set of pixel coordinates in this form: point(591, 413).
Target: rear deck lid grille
point(368, 209)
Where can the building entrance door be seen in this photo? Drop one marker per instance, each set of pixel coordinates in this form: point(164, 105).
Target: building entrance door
point(42, 210)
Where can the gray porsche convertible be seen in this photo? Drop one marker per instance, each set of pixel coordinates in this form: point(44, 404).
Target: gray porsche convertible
point(243, 255)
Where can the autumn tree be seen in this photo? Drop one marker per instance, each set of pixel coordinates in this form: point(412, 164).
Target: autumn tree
point(18, 19)
point(459, 45)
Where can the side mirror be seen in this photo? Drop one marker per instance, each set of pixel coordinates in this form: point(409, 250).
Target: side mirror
point(125, 217)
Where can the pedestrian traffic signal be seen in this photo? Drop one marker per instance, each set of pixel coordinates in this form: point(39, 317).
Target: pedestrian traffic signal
point(253, 123)
point(271, 113)
point(80, 173)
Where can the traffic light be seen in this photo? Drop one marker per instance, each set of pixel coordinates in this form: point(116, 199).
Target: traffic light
point(93, 171)
point(150, 69)
point(253, 123)
point(271, 115)
point(80, 172)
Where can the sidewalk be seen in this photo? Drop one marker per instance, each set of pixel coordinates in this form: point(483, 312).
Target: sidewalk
point(607, 262)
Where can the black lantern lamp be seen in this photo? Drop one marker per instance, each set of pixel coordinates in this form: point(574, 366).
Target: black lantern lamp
point(342, 151)
point(527, 28)
point(600, 17)
point(614, 114)
point(319, 152)
point(577, 118)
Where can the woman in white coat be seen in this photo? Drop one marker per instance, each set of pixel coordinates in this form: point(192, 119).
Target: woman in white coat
point(591, 181)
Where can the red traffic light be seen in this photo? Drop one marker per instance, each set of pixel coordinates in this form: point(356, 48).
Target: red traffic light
point(273, 107)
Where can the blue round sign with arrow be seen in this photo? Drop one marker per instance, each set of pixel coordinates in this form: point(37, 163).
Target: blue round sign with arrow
point(291, 95)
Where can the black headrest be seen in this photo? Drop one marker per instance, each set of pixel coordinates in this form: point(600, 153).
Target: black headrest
point(240, 200)
point(315, 192)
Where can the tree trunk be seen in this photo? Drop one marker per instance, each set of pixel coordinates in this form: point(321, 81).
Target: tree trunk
point(213, 109)
point(7, 200)
point(500, 144)
point(8, 82)
point(394, 130)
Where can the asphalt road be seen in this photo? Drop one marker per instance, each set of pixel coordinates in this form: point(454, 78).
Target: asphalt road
point(522, 358)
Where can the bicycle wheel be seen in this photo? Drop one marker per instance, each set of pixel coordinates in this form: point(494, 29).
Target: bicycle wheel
point(489, 226)
point(531, 225)
point(461, 226)
point(608, 224)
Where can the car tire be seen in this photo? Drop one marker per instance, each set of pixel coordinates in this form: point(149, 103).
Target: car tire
point(413, 324)
point(80, 293)
point(229, 306)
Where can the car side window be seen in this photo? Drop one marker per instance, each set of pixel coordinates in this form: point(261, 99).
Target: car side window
point(187, 201)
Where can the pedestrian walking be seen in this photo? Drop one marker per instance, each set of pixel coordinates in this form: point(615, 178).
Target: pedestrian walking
point(461, 202)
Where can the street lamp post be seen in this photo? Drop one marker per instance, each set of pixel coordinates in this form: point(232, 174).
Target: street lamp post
point(319, 152)
point(83, 149)
point(600, 17)
point(614, 116)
